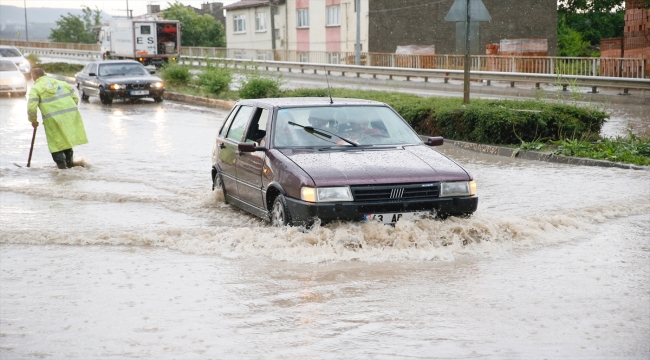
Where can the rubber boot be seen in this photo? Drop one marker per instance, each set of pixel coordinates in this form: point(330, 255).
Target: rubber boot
point(59, 159)
point(68, 158)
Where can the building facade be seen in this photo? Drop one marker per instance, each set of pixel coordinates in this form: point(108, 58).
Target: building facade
point(302, 26)
point(415, 22)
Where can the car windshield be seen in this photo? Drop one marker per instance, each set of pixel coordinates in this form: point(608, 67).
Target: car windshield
point(7, 66)
point(121, 69)
point(8, 52)
point(341, 126)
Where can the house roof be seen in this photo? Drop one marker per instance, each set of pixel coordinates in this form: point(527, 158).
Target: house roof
point(244, 4)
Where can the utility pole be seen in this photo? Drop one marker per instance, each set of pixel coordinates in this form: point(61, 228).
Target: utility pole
point(26, 30)
point(467, 59)
point(271, 7)
point(127, 9)
point(358, 58)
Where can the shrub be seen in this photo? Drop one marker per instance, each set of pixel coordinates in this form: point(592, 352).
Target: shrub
point(215, 79)
point(483, 121)
point(34, 60)
point(258, 87)
point(61, 68)
point(175, 74)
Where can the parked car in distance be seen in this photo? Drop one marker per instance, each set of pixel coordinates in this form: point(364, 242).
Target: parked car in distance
point(295, 160)
point(14, 55)
point(12, 80)
point(118, 79)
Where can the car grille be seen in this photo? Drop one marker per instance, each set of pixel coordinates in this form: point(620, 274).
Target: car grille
point(399, 192)
point(138, 86)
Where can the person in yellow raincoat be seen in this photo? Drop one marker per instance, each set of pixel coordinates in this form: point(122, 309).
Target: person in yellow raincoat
point(64, 127)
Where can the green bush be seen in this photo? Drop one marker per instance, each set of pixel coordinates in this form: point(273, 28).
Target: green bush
point(483, 121)
point(258, 87)
point(175, 74)
point(215, 79)
point(34, 60)
point(61, 68)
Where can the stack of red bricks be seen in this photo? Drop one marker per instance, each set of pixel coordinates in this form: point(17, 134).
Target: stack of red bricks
point(635, 43)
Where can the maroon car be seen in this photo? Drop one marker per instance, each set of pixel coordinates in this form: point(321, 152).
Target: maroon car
point(295, 160)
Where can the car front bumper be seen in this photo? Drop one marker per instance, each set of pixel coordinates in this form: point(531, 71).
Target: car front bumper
point(304, 212)
point(12, 88)
point(127, 94)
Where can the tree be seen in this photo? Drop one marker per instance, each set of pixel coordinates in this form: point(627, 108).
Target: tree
point(571, 42)
point(77, 28)
point(196, 30)
point(575, 6)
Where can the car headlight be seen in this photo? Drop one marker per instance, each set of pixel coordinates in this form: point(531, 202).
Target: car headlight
point(326, 194)
point(117, 86)
point(458, 188)
point(24, 63)
point(17, 80)
point(158, 85)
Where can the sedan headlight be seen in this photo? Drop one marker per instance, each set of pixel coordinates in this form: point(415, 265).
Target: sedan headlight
point(17, 80)
point(326, 194)
point(116, 86)
point(458, 188)
point(24, 63)
point(158, 85)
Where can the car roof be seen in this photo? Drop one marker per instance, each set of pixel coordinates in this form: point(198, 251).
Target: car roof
point(116, 62)
point(307, 101)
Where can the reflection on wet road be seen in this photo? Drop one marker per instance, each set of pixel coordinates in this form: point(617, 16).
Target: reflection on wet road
point(136, 256)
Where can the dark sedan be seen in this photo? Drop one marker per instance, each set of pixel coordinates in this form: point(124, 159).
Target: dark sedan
point(295, 160)
point(118, 79)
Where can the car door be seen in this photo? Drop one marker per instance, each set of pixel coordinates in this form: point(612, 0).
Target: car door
point(81, 76)
point(228, 153)
point(249, 165)
point(91, 83)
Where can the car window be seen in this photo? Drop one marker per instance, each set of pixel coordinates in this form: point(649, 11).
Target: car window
point(9, 52)
point(226, 124)
point(86, 70)
point(93, 69)
point(121, 69)
point(365, 125)
point(256, 131)
point(236, 131)
point(7, 66)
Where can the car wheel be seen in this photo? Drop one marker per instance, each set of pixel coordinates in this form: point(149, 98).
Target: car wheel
point(280, 215)
point(106, 100)
point(82, 93)
point(158, 99)
point(218, 184)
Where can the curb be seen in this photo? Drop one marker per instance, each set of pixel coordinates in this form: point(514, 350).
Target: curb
point(541, 156)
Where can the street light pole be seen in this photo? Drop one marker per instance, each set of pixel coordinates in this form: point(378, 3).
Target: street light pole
point(358, 44)
point(26, 30)
point(127, 9)
point(467, 59)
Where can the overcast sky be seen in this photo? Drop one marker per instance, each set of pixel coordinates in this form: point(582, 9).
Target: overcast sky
point(113, 7)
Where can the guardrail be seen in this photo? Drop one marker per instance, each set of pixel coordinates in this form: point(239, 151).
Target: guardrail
point(637, 68)
point(407, 73)
point(561, 80)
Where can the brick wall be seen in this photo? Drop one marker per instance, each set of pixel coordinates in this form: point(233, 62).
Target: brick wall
point(413, 22)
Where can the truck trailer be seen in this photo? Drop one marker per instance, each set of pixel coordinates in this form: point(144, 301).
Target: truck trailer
point(152, 42)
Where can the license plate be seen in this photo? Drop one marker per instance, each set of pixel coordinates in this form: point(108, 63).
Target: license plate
point(140, 92)
point(391, 218)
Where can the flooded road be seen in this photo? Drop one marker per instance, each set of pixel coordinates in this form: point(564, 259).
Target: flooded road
point(132, 256)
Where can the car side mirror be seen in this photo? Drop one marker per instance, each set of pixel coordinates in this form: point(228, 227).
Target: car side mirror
point(435, 141)
point(92, 74)
point(152, 72)
point(249, 147)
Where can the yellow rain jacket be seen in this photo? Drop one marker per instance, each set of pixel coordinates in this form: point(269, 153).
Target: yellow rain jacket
point(57, 100)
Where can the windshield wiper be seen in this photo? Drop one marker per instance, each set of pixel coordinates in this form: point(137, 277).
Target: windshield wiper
point(324, 133)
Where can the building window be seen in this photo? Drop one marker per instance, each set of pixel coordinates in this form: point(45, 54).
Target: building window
point(260, 22)
point(239, 23)
point(261, 55)
point(303, 57)
point(333, 58)
point(333, 15)
point(303, 18)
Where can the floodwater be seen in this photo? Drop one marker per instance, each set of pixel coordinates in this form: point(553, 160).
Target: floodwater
point(133, 257)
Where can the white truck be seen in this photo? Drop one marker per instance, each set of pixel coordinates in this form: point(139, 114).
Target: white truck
point(152, 42)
